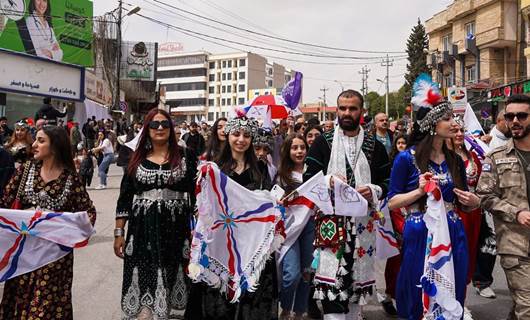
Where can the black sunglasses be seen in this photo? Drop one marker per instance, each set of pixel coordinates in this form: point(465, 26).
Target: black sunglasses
point(521, 116)
point(156, 124)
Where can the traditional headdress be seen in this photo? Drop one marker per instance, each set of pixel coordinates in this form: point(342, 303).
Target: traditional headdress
point(459, 119)
point(249, 125)
point(264, 139)
point(427, 96)
point(22, 124)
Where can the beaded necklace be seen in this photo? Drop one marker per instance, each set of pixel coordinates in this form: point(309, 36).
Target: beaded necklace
point(42, 199)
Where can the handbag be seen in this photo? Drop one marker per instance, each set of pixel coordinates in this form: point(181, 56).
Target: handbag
point(17, 204)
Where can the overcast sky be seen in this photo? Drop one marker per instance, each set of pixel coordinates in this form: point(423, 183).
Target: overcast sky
point(373, 25)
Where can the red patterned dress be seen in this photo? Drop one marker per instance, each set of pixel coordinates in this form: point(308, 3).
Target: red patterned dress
point(45, 293)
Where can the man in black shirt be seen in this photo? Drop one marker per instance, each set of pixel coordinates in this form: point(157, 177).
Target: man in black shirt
point(49, 113)
point(194, 140)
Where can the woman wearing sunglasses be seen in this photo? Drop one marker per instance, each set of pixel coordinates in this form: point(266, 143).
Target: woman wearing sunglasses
point(155, 202)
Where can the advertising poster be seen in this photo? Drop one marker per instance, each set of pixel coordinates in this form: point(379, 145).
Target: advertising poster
point(138, 61)
point(60, 30)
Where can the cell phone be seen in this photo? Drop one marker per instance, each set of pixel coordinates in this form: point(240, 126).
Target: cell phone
point(277, 192)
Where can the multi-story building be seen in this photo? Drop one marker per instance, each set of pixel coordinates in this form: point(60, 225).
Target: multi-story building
point(475, 41)
point(185, 78)
point(201, 85)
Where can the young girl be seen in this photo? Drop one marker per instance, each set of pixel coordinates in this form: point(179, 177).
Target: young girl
point(297, 252)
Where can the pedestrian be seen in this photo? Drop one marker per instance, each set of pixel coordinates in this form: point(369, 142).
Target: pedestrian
point(382, 132)
point(238, 161)
point(285, 128)
point(329, 125)
point(296, 257)
point(90, 134)
point(205, 131)
point(263, 145)
point(87, 164)
point(299, 127)
point(311, 133)
point(49, 113)
point(105, 152)
point(429, 158)
point(399, 145)
point(194, 140)
point(5, 131)
point(354, 156)
point(217, 140)
point(504, 191)
point(124, 154)
point(20, 143)
point(51, 184)
point(75, 136)
point(155, 204)
point(500, 133)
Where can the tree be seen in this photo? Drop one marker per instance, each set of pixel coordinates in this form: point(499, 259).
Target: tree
point(374, 102)
point(417, 46)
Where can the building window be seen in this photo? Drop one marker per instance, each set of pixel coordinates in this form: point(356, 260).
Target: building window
point(212, 65)
point(470, 29)
point(448, 80)
point(241, 88)
point(168, 74)
point(212, 77)
point(471, 73)
point(210, 115)
point(241, 101)
point(224, 89)
point(230, 63)
point(223, 101)
point(178, 61)
point(186, 102)
point(211, 90)
point(269, 71)
point(224, 64)
point(242, 62)
point(241, 75)
point(269, 83)
point(210, 103)
point(229, 76)
point(228, 102)
point(224, 76)
point(447, 42)
point(186, 86)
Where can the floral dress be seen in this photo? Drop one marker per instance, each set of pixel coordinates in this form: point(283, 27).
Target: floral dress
point(157, 242)
point(45, 293)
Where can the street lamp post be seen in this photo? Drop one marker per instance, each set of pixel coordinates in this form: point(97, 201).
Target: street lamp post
point(385, 82)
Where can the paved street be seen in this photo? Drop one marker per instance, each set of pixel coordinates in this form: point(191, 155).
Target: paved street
point(97, 272)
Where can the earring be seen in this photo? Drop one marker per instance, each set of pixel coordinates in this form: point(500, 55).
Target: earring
point(148, 146)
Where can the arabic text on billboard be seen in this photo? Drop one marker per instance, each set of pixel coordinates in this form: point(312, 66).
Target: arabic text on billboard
point(55, 29)
point(138, 61)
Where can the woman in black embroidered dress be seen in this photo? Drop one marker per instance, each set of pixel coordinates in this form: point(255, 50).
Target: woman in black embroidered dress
point(156, 201)
point(51, 184)
point(238, 160)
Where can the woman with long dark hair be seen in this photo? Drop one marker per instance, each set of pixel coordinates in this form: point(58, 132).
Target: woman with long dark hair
point(296, 253)
point(311, 133)
point(217, 140)
point(156, 202)
point(52, 184)
point(19, 146)
point(429, 159)
point(238, 160)
point(40, 29)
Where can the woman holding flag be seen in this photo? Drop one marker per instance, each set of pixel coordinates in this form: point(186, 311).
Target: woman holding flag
point(156, 202)
point(296, 253)
point(238, 161)
point(50, 183)
point(430, 159)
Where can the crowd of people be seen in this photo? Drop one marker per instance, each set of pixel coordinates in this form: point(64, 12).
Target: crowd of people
point(486, 199)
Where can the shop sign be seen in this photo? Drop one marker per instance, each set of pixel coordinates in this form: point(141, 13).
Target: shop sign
point(458, 98)
point(96, 89)
point(138, 61)
point(27, 74)
point(501, 93)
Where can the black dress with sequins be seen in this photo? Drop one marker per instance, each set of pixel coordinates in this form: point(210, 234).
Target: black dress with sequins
point(157, 241)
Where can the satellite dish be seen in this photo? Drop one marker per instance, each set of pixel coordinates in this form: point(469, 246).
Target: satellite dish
point(12, 9)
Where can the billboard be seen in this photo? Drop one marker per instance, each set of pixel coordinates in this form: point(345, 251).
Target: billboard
point(458, 98)
point(138, 60)
point(21, 73)
point(60, 30)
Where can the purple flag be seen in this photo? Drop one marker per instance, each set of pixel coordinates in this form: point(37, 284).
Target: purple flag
point(292, 91)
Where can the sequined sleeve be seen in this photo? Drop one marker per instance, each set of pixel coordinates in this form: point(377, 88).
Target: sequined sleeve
point(124, 205)
point(10, 191)
point(80, 200)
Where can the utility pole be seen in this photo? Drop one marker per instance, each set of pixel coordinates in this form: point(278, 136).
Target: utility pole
point(364, 74)
point(324, 89)
point(387, 63)
point(118, 59)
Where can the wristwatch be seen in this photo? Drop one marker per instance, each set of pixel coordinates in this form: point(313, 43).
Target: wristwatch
point(119, 232)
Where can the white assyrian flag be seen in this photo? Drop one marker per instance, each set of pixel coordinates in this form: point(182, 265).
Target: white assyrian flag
point(297, 214)
point(438, 280)
point(31, 239)
point(348, 202)
point(386, 245)
point(317, 191)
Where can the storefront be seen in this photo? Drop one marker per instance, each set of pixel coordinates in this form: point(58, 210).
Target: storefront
point(498, 96)
point(26, 79)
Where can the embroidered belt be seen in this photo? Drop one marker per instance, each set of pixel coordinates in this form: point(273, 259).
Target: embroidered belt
point(161, 195)
point(414, 208)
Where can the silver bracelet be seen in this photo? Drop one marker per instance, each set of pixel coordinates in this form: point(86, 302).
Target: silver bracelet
point(119, 232)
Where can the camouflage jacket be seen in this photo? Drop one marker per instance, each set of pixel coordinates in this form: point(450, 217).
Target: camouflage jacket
point(502, 190)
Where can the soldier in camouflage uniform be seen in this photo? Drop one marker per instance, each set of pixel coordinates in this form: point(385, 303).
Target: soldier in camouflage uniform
point(504, 191)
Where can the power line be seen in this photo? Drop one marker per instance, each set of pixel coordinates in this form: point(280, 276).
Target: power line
point(274, 37)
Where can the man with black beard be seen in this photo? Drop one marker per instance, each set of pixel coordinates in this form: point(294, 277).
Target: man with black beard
point(505, 192)
point(356, 157)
